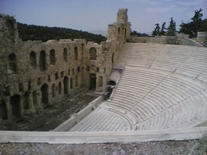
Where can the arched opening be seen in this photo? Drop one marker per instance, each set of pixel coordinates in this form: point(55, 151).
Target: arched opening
point(100, 81)
point(26, 101)
point(59, 88)
point(119, 30)
point(82, 47)
point(12, 63)
point(82, 51)
point(76, 53)
point(44, 95)
point(76, 81)
point(53, 90)
point(92, 53)
point(52, 57)
point(71, 83)
point(34, 98)
point(65, 54)
point(3, 110)
point(92, 78)
point(125, 34)
point(33, 59)
point(42, 61)
point(65, 82)
point(15, 102)
point(112, 58)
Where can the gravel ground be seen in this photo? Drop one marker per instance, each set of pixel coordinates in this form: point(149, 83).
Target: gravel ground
point(52, 116)
point(193, 147)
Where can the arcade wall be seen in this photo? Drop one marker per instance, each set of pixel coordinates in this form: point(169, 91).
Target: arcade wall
point(35, 74)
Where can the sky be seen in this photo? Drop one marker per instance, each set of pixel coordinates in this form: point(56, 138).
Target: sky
point(95, 15)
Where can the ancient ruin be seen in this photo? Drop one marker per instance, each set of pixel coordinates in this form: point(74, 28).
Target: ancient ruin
point(148, 90)
point(36, 74)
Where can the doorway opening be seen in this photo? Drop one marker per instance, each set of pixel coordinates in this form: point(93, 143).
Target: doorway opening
point(44, 95)
point(92, 81)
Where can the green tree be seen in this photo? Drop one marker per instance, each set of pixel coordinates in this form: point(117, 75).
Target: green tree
point(156, 31)
point(163, 29)
point(171, 28)
point(197, 20)
point(195, 25)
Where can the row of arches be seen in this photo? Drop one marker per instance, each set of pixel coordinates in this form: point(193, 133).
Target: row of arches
point(61, 88)
point(52, 58)
point(43, 58)
point(20, 103)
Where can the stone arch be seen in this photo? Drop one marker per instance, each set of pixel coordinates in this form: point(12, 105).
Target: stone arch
point(125, 33)
point(82, 51)
point(3, 110)
point(26, 101)
point(34, 98)
point(12, 63)
point(76, 81)
point(112, 58)
point(76, 53)
point(44, 95)
point(71, 83)
point(59, 88)
point(100, 81)
point(33, 59)
point(119, 30)
point(43, 61)
point(52, 57)
point(15, 102)
point(92, 53)
point(65, 84)
point(92, 78)
point(65, 54)
point(53, 90)
point(82, 47)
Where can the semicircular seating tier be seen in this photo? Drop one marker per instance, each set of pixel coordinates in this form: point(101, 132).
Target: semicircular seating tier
point(161, 86)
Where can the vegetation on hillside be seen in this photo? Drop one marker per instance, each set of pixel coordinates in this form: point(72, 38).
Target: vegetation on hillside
point(44, 33)
point(197, 24)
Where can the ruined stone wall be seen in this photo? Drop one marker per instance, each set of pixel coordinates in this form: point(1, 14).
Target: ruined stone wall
point(36, 74)
point(156, 39)
point(202, 38)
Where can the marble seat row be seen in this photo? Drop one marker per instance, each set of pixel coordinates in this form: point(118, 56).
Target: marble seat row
point(184, 60)
point(161, 86)
point(102, 120)
point(145, 95)
point(188, 113)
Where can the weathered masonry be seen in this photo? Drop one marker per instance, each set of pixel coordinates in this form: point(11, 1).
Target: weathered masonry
point(35, 74)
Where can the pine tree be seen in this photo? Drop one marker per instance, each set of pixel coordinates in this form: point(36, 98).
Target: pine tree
point(196, 21)
point(171, 28)
point(156, 31)
point(195, 25)
point(163, 32)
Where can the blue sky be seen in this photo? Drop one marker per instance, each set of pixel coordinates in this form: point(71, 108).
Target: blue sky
point(95, 15)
